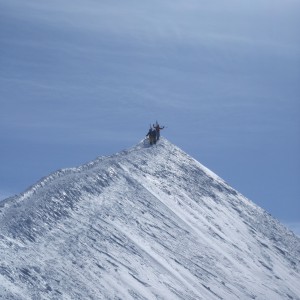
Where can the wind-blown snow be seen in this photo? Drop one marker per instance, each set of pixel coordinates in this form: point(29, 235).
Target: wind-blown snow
point(146, 223)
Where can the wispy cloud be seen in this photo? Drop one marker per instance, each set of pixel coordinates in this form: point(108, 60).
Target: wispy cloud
point(167, 20)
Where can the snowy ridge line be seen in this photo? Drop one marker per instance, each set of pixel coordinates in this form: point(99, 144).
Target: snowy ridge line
point(42, 182)
point(145, 223)
point(63, 172)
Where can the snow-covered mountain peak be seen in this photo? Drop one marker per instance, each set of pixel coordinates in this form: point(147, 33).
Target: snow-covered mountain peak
point(145, 223)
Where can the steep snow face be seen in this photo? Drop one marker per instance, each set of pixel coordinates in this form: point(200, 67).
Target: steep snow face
point(146, 223)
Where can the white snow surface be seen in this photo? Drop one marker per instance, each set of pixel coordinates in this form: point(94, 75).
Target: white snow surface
point(145, 223)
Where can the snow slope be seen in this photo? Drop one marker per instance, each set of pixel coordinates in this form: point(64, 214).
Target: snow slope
point(146, 223)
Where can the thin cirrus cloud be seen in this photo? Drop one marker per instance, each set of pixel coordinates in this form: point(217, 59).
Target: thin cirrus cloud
point(174, 53)
point(171, 20)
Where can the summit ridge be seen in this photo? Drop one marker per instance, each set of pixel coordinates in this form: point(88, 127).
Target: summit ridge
point(145, 223)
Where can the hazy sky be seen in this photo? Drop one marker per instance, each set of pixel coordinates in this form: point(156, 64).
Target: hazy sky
point(80, 79)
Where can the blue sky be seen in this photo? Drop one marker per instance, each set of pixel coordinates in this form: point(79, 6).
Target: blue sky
point(80, 79)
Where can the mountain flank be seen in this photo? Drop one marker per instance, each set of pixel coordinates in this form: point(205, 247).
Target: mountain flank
point(145, 223)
